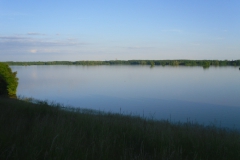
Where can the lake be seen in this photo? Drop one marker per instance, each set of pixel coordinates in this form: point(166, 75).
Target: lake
point(207, 96)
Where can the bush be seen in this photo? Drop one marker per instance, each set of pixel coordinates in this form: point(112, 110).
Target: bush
point(8, 80)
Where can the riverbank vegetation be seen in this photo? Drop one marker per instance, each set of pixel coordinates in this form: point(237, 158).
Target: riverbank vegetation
point(204, 63)
point(41, 130)
point(8, 80)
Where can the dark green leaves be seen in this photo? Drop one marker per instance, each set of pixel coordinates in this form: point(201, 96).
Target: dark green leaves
point(8, 80)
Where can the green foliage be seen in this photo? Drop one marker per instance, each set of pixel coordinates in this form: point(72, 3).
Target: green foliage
point(175, 63)
point(204, 63)
point(215, 63)
point(8, 80)
point(152, 64)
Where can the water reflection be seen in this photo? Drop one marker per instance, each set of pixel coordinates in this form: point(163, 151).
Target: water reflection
point(176, 93)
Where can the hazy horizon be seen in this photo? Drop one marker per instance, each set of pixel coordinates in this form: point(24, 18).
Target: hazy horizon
point(119, 30)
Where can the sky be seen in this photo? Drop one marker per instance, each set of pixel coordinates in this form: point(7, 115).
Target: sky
point(72, 30)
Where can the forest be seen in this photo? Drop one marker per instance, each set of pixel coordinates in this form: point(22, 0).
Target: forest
point(8, 80)
point(204, 63)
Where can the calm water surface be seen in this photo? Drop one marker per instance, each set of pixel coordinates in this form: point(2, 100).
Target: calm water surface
point(207, 96)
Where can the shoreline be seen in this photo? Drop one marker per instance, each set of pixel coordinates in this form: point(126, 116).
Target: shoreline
point(38, 131)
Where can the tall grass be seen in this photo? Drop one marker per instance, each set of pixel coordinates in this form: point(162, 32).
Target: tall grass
point(42, 131)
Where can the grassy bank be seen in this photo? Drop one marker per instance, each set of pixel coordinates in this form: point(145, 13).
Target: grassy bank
point(41, 131)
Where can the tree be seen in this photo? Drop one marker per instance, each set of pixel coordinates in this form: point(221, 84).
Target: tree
point(175, 63)
point(152, 64)
point(8, 80)
point(206, 64)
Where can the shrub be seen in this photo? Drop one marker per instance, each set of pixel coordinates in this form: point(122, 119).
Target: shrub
point(8, 80)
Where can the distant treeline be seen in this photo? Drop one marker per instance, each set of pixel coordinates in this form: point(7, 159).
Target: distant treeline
point(204, 63)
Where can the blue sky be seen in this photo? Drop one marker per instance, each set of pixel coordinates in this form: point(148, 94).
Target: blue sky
point(45, 30)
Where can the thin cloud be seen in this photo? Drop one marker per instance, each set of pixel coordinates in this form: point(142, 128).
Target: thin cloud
point(28, 44)
point(12, 38)
point(137, 47)
point(44, 42)
point(33, 51)
point(35, 34)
